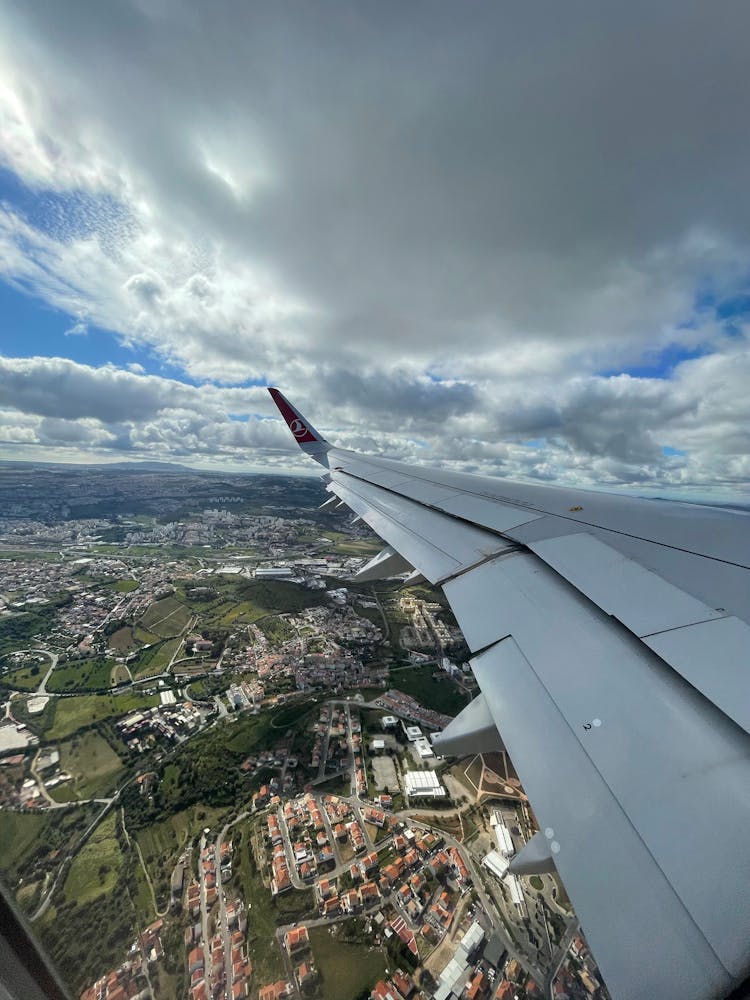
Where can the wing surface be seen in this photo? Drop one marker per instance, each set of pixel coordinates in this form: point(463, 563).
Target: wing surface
point(611, 642)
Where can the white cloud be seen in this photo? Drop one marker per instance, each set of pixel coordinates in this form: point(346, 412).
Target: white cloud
point(433, 240)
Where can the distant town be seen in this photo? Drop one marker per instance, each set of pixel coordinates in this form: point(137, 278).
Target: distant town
point(217, 777)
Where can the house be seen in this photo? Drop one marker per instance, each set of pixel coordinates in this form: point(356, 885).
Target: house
point(385, 991)
point(393, 871)
point(306, 871)
point(374, 816)
point(325, 888)
point(369, 893)
point(403, 983)
point(296, 940)
point(332, 906)
point(477, 988)
point(276, 991)
point(411, 858)
point(370, 862)
point(305, 974)
point(350, 901)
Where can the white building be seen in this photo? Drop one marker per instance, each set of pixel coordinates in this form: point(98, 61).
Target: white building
point(495, 863)
point(516, 892)
point(423, 784)
point(504, 839)
point(412, 732)
point(274, 572)
point(423, 748)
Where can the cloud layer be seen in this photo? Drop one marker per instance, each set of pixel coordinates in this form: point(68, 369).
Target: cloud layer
point(436, 230)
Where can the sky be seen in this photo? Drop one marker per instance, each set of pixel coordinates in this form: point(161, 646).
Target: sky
point(511, 239)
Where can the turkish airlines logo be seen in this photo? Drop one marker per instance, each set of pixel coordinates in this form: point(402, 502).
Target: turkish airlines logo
point(298, 428)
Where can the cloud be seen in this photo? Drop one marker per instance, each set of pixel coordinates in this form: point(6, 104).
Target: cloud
point(433, 230)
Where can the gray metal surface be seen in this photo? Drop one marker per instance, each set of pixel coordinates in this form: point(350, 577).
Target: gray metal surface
point(646, 943)
point(715, 658)
point(434, 543)
point(472, 731)
point(534, 858)
point(673, 761)
point(640, 599)
point(717, 584)
point(386, 563)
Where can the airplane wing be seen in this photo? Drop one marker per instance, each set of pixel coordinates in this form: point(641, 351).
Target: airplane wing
point(611, 643)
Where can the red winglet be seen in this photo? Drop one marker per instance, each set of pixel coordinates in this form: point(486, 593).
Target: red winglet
point(303, 433)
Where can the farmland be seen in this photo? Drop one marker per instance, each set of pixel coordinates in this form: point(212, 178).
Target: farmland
point(166, 618)
point(68, 715)
point(92, 674)
point(95, 868)
point(346, 969)
point(93, 764)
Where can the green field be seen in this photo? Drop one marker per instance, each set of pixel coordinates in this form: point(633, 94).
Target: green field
point(24, 555)
point(123, 640)
point(27, 896)
point(349, 546)
point(277, 630)
point(96, 867)
point(264, 953)
point(93, 764)
point(18, 834)
point(26, 678)
point(141, 635)
point(68, 715)
point(166, 618)
point(347, 970)
point(155, 659)
point(431, 688)
point(27, 837)
point(142, 897)
point(124, 586)
point(92, 674)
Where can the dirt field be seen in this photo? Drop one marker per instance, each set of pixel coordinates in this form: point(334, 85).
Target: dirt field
point(384, 771)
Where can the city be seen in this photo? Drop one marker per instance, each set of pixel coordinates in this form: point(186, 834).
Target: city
point(215, 747)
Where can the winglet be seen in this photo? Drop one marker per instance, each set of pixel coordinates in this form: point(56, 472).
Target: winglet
point(304, 433)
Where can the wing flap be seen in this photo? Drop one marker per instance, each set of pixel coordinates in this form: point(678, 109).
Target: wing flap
point(685, 632)
point(650, 736)
point(641, 600)
point(435, 544)
point(646, 943)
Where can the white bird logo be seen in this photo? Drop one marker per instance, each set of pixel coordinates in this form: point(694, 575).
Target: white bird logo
point(298, 428)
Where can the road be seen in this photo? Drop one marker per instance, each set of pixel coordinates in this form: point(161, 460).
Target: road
point(558, 958)
point(42, 689)
point(386, 624)
point(204, 914)
point(223, 926)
